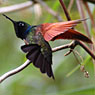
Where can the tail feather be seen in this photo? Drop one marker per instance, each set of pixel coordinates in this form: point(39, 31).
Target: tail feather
point(49, 71)
point(33, 55)
point(39, 60)
point(43, 67)
point(28, 48)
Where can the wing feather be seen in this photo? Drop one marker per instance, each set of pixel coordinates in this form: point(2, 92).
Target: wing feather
point(74, 35)
point(43, 62)
point(51, 30)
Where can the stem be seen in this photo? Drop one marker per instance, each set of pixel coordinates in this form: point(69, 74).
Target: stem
point(82, 14)
point(14, 71)
point(48, 9)
point(16, 7)
point(71, 46)
point(90, 14)
point(23, 66)
point(70, 5)
point(65, 10)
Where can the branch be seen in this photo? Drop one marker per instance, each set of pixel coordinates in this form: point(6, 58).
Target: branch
point(65, 10)
point(90, 14)
point(28, 4)
point(14, 71)
point(16, 7)
point(49, 10)
point(82, 14)
point(23, 66)
point(79, 2)
point(71, 46)
point(70, 5)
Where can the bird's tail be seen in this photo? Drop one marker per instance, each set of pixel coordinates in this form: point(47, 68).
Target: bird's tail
point(36, 57)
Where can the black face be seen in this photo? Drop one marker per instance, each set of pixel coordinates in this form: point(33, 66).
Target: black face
point(20, 28)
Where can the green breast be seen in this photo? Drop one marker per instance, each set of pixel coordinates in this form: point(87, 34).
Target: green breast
point(31, 37)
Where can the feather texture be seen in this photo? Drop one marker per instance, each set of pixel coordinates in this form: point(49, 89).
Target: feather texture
point(74, 35)
point(35, 55)
point(63, 30)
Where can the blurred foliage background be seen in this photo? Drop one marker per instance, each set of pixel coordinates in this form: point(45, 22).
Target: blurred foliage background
point(30, 81)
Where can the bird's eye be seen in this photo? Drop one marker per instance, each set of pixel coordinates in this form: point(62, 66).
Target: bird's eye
point(21, 24)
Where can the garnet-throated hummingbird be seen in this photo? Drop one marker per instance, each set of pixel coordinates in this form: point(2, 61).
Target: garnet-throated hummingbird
point(36, 39)
point(38, 50)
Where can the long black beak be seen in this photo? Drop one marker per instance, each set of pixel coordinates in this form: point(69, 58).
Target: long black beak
point(9, 18)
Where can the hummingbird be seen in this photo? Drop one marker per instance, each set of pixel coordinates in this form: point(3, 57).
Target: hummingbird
point(37, 37)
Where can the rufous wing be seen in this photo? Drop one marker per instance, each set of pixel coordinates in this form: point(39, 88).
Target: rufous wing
point(62, 30)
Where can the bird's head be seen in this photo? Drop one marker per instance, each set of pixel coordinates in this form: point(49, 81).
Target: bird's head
point(21, 28)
